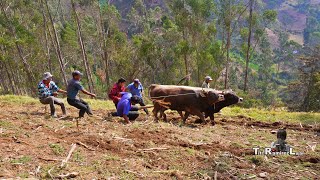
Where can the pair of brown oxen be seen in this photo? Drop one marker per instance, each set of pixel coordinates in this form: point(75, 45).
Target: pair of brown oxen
point(202, 102)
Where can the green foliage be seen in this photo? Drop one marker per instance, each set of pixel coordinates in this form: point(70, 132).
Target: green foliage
point(22, 160)
point(270, 15)
point(157, 44)
point(12, 99)
point(69, 35)
point(57, 149)
point(272, 115)
point(257, 160)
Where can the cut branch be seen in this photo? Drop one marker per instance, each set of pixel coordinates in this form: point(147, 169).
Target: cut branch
point(153, 149)
point(63, 163)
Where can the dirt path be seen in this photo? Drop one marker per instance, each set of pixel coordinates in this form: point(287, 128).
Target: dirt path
point(33, 145)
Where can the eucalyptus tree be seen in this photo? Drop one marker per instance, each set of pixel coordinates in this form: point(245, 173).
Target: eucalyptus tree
point(229, 13)
point(83, 48)
point(20, 28)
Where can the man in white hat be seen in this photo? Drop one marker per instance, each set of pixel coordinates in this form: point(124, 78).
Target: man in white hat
point(206, 82)
point(47, 91)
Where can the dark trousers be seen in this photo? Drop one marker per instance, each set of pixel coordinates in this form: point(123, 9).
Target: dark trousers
point(132, 115)
point(143, 104)
point(80, 104)
point(52, 101)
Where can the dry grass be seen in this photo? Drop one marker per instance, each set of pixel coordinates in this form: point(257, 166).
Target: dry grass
point(30, 139)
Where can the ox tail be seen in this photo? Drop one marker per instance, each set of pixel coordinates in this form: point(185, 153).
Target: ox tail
point(162, 103)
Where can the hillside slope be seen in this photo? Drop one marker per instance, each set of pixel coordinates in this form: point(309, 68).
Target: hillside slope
point(290, 16)
point(33, 145)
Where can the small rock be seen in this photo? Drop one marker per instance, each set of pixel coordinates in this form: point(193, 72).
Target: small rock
point(207, 153)
point(177, 175)
point(263, 174)
point(273, 131)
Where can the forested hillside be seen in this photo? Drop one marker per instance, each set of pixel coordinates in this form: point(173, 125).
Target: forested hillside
point(266, 50)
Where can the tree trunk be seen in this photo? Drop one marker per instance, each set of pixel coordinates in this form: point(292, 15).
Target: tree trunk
point(104, 51)
point(4, 66)
point(12, 85)
point(248, 48)
point(57, 47)
point(27, 69)
point(46, 38)
point(15, 77)
point(226, 79)
point(84, 53)
point(2, 81)
point(185, 57)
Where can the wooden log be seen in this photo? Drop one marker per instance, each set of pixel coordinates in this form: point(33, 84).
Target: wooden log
point(63, 163)
point(153, 149)
point(84, 145)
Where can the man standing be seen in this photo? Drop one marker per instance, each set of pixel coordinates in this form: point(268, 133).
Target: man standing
point(47, 91)
point(206, 82)
point(115, 92)
point(126, 108)
point(74, 86)
point(136, 89)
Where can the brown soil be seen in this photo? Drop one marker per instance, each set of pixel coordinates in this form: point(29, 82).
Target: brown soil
point(107, 148)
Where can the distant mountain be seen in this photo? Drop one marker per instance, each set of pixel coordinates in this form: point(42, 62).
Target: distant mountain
point(125, 5)
point(292, 15)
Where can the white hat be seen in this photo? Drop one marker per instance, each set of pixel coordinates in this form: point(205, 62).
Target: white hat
point(46, 76)
point(208, 78)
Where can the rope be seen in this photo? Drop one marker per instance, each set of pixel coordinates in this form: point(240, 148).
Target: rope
point(174, 95)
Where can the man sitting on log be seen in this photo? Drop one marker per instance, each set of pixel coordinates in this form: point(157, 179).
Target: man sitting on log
point(47, 91)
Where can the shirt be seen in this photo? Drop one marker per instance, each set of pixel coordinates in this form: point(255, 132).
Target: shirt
point(114, 93)
point(74, 86)
point(135, 91)
point(205, 85)
point(45, 91)
point(124, 105)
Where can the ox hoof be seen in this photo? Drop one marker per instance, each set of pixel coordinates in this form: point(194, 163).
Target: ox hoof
point(212, 123)
point(199, 121)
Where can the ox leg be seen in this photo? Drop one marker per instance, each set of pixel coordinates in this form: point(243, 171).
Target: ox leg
point(185, 117)
point(163, 115)
point(181, 114)
point(200, 115)
point(212, 119)
point(155, 112)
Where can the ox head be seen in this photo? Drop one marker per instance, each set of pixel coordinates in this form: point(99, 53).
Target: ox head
point(213, 96)
point(230, 98)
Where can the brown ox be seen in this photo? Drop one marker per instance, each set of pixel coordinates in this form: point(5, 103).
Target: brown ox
point(192, 100)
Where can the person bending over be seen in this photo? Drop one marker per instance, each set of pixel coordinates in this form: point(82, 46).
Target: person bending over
point(136, 88)
point(47, 91)
point(74, 86)
point(126, 107)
